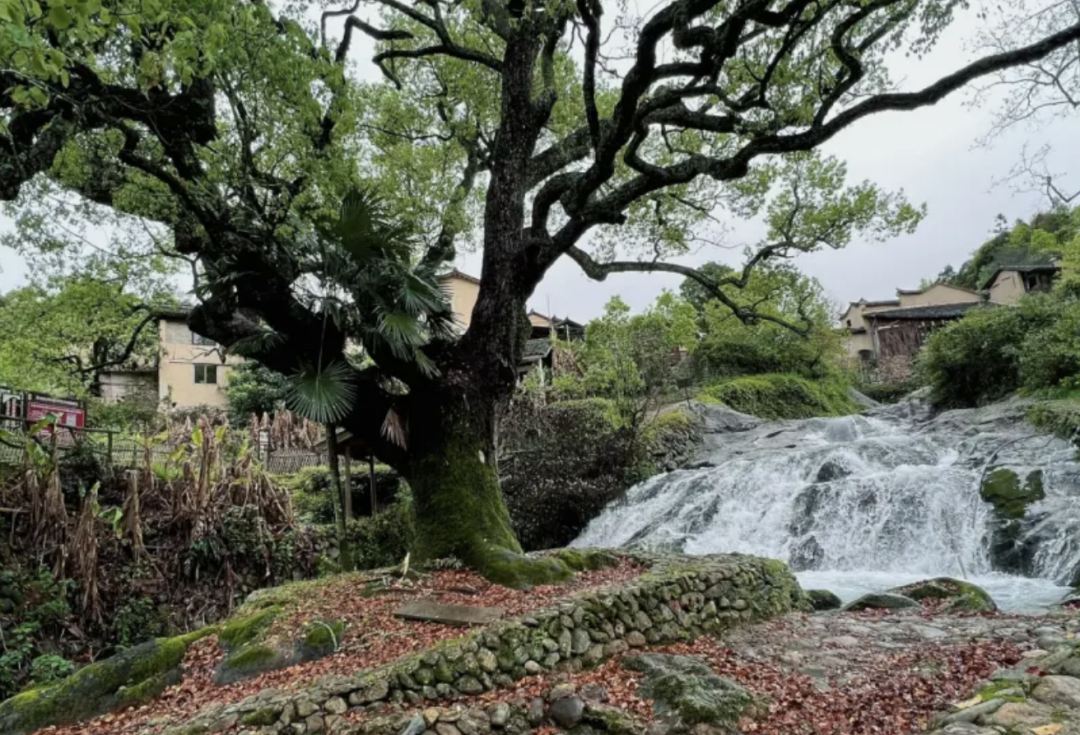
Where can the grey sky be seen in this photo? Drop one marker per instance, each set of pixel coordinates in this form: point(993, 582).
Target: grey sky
point(929, 153)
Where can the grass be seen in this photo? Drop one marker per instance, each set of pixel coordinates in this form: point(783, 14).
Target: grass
point(782, 396)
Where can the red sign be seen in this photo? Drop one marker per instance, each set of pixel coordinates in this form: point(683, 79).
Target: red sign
point(68, 413)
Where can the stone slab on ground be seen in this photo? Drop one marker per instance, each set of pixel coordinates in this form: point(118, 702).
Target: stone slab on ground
point(459, 615)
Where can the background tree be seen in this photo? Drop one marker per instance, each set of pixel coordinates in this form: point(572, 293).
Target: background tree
point(254, 390)
point(61, 337)
point(235, 128)
point(630, 358)
point(729, 347)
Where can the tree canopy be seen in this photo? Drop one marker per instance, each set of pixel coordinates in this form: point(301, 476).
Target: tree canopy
point(230, 132)
point(61, 338)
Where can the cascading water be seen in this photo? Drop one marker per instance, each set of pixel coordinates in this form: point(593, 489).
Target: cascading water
point(864, 503)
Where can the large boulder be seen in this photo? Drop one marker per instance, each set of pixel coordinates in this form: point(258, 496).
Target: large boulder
point(881, 601)
point(1010, 549)
point(130, 678)
point(253, 646)
point(685, 690)
point(822, 600)
point(952, 595)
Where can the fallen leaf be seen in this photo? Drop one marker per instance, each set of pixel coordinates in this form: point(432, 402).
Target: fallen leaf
point(1047, 729)
point(968, 703)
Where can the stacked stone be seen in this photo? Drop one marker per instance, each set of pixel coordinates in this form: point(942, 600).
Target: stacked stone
point(1039, 695)
point(679, 598)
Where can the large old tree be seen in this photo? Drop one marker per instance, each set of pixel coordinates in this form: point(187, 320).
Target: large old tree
point(536, 131)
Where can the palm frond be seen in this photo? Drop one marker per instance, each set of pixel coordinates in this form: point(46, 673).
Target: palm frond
point(325, 395)
point(393, 428)
point(401, 330)
point(420, 296)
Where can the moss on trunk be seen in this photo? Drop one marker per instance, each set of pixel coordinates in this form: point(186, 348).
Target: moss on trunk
point(460, 510)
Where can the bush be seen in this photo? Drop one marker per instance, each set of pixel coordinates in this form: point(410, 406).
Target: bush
point(886, 392)
point(312, 498)
point(383, 539)
point(49, 668)
point(561, 464)
point(136, 414)
point(1050, 357)
point(977, 359)
point(783, 396)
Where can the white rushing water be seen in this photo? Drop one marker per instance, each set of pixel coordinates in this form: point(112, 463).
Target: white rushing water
point(863, 503)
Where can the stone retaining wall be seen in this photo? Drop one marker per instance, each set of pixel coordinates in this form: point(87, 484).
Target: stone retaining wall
point(679, 598)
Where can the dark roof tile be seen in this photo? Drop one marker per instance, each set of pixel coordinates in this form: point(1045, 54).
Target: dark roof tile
point(936, 311)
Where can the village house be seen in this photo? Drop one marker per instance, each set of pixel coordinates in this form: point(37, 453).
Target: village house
point(884, 336)
point(194, 371)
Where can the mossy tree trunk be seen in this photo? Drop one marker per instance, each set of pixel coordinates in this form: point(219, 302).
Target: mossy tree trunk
point(454, 478)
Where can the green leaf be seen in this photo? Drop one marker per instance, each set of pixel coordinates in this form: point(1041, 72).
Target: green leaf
point(325, 396)
point(59, 17)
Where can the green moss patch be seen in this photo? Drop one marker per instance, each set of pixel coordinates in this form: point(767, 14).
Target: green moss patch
point(242, 631)
point(321, 638)
point(247, 662)
point(261, 717)
point(783, 396)
point(951, 595)
point(824, 600)
point(587, 560)
point(1010, 497)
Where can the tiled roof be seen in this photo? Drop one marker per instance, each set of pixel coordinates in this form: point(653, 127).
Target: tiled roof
point(536, 349)
point(936, 311)
point(1035, 268)
point(459, 274)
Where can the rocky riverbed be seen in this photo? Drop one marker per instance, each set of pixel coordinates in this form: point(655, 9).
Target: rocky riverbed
point(832, 673)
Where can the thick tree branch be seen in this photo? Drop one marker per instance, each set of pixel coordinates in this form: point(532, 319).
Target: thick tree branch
point(599, 271)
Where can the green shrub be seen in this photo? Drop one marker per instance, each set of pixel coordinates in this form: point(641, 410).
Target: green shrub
point(136, 620)
point(311, 496)
point(783, 396)
point(978, 359)
point(562, 463)
point(383, 539)
point(49, 668)
point(886, 392)
point(138, 413)
point(1050, 357)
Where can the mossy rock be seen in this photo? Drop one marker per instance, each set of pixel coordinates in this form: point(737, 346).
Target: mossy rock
point(960, 596)
point(131, 677)
point(263, 717)
point(685, 688)
point(824, 600)
point(521, 572)
point(249, 661)
point(881, 601)
point(320, 639)
point(1010, 497)
point(587, 560)
point(243, 630)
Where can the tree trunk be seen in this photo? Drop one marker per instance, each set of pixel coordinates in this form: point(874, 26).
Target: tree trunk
point(460, 510)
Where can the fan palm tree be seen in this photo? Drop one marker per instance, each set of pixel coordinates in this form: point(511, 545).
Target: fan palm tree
point(365, 277)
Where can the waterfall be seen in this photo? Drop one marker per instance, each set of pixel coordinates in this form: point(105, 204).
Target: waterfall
point(864, 502)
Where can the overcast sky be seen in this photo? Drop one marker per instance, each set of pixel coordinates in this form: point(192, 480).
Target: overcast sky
point(930, 153)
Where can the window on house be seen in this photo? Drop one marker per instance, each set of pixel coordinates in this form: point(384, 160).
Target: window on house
point(849, 322)
point(206, 374)
point(198, 339)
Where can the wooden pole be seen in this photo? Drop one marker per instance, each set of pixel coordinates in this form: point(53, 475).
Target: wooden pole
point(346, 499)
point(371, 475)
